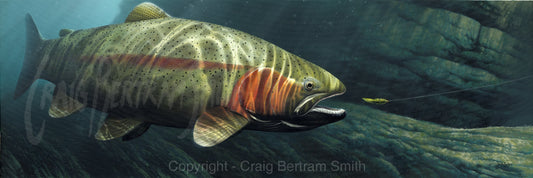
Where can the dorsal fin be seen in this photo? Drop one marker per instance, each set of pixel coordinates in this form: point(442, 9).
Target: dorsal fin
point(146, 11)
point(65, 32)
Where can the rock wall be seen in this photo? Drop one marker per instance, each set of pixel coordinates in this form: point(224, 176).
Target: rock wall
point(513, 18)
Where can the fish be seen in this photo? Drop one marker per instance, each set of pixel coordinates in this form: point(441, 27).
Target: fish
point(155, 69)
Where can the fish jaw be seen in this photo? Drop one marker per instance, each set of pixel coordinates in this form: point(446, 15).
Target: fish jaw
point(335, 88)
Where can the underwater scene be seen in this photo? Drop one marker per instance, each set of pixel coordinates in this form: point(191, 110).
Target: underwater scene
point(262, 88)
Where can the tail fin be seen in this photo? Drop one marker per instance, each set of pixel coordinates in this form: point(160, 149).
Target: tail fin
point(32, 58)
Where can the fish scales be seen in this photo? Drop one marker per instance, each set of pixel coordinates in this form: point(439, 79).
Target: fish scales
point(169, 39)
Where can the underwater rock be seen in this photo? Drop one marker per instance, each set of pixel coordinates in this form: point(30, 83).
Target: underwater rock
point(448, 51)
point(418, 148)
point(449, 72)
point(510, 17)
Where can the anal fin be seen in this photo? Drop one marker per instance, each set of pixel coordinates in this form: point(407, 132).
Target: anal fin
point(63, 105)
point(216, 125)
point(115, 127)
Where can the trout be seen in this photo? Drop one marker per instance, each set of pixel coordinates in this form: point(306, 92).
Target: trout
point(155, 69)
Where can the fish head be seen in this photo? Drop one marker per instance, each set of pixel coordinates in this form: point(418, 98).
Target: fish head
point(287, 100)
point(316, 85)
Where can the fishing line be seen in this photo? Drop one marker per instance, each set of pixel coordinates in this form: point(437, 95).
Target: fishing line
point(384, 101)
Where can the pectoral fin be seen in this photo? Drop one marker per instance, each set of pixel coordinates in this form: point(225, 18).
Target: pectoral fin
point(115, 127)
point(216, 125)
point(63, 105)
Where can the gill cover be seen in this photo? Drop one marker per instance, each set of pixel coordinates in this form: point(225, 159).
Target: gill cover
point(264, 92)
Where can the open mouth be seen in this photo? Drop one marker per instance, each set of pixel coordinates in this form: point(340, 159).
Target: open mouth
point(312, 101)
point(316, 115)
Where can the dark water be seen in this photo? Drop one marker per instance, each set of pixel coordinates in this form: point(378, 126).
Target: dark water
point(387, 49)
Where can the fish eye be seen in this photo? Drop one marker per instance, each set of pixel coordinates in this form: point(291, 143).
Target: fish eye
point(309, 85)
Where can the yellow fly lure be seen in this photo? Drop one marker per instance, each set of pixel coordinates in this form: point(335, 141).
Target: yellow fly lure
point(379, 101)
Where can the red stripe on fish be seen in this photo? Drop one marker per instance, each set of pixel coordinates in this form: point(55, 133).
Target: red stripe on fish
point(163, 62)
point(262, 91)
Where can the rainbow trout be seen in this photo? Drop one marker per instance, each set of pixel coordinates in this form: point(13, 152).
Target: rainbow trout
point(156, 69)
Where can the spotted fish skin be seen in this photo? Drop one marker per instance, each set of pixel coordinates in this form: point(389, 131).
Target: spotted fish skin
point(169, 71)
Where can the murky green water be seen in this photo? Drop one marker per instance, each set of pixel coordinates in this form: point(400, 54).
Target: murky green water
point(458, 75)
